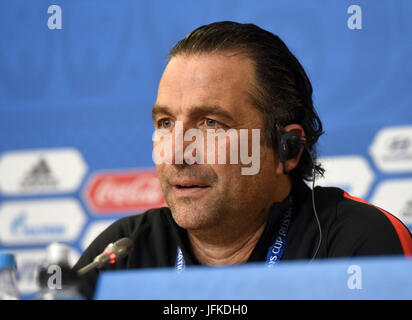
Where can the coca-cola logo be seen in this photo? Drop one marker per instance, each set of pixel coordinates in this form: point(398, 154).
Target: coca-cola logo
point(126, 191)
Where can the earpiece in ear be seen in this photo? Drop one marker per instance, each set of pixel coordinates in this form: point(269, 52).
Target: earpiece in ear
point(289, 145)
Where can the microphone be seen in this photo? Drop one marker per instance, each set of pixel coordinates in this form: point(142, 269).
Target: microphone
point(112, 253)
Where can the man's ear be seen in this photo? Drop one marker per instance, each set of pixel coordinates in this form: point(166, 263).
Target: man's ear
point(291, 142)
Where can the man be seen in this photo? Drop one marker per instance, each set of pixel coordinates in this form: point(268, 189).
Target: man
point(228, 76)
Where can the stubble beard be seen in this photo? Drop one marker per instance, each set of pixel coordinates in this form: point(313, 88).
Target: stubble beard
point(194, 214)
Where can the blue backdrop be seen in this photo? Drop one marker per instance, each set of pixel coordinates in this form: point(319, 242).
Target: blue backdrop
point(75, 105)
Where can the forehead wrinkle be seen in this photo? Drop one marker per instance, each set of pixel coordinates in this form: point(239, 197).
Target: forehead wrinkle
point(190, 70)
point(187, 85)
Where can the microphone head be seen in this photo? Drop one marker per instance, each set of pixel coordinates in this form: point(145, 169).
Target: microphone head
point(114, 252)
point(122, 247)
point(123, 243)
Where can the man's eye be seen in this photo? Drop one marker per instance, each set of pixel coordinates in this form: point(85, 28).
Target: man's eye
point(211, 123)
point(165, 123)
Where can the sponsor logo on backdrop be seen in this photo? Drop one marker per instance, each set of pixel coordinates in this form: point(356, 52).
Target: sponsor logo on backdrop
point(41, 171)
point(39, 176)
point(351, 173)
point(392, 149)
point(124, 191)
point(395, 196)
point(40, 221)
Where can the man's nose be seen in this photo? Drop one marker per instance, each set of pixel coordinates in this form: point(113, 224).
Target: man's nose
point(184, 152)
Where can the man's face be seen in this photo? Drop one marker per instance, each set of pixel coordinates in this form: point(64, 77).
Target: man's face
point(211, 91)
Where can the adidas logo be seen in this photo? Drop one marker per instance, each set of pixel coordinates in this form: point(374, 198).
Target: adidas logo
point(39, 176)
point(26, 172)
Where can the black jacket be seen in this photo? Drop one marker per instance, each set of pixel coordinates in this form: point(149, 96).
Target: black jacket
point(350, 227)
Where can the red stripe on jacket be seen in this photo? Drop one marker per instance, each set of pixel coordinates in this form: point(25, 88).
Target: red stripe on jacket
point(403, 233)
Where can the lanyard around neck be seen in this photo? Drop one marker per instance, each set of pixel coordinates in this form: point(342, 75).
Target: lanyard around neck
point(275, 251)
